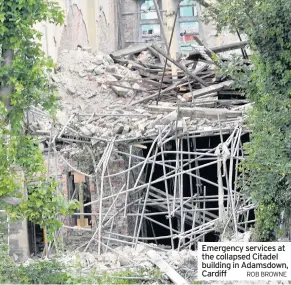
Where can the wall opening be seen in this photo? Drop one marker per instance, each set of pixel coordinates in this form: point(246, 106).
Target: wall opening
point(35, 238)
point(84, 196)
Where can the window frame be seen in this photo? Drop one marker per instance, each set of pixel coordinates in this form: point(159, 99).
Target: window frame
point(180, 19)
point(147, 22)
point(193, 10)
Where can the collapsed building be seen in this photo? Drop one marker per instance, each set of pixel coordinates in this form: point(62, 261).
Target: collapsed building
point(148, 137)
point(150, 160)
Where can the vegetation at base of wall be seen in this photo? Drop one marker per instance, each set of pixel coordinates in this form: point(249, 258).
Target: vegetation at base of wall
point(54, 272)
point(24, 82)
point(3, 232)
point(267, 167)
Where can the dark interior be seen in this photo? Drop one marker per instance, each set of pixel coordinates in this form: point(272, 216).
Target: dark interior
point(209, 172)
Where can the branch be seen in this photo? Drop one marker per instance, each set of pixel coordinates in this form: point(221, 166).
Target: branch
point(203, 3)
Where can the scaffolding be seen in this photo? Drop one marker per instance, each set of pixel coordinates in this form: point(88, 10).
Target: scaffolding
point(165, 177)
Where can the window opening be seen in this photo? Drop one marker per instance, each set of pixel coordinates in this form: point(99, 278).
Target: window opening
point(80, 190)
point(188, 31)
point(148, 10)
point(187, 22)
point(188, 8)
point(150, 29)
point(188, 26)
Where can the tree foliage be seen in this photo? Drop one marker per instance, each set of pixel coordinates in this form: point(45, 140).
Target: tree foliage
point(267, 165)
point(24, 82)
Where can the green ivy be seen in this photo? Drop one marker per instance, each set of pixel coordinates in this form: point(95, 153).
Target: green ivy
point(267, 167)
point(24, 82)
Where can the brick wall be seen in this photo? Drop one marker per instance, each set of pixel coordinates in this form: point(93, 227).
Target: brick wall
point(118, 224)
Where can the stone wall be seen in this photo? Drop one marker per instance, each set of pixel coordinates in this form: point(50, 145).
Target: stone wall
point(18, 230)
point(18, 241)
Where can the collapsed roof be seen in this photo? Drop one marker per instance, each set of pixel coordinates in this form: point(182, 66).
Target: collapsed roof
point(131, 95)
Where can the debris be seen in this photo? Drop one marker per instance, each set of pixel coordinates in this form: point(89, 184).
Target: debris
point(116, 136)
point(121, 91)
point(221, 49)
point(85, 131)
point(71, 90)
point(130, 50)
point(166, 268)
point(209, 89)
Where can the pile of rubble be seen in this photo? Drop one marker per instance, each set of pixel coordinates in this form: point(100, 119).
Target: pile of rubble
point(138, 260)
point(123, 258)
point(112, 96)
point(87, 82)
point(126, 256)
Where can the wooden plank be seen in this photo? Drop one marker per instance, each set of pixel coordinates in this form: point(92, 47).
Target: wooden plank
point(152, 82)
point(170, 88)
point(81, 200)
point(79, 178)
point(174, 276)
point(220, 49)
point(130, 50)
point(85, 223)
point(210, 89)
point(199, 112)
point(11, 200)
point(179, 65)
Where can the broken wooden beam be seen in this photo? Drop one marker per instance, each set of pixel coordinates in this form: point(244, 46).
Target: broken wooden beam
point(11, 200)
point(170, 88)
point(220, 49)
point(179, 65)
point(198, 112)
point(210, 89)
point(229, 47)
point(203, 3)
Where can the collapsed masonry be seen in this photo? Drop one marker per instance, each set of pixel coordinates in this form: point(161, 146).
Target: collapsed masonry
point(147, 171)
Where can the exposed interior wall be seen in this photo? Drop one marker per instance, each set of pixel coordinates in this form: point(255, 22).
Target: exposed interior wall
point(130, 14)
point(88, 23)
point(209, 35)
point(102, 25)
